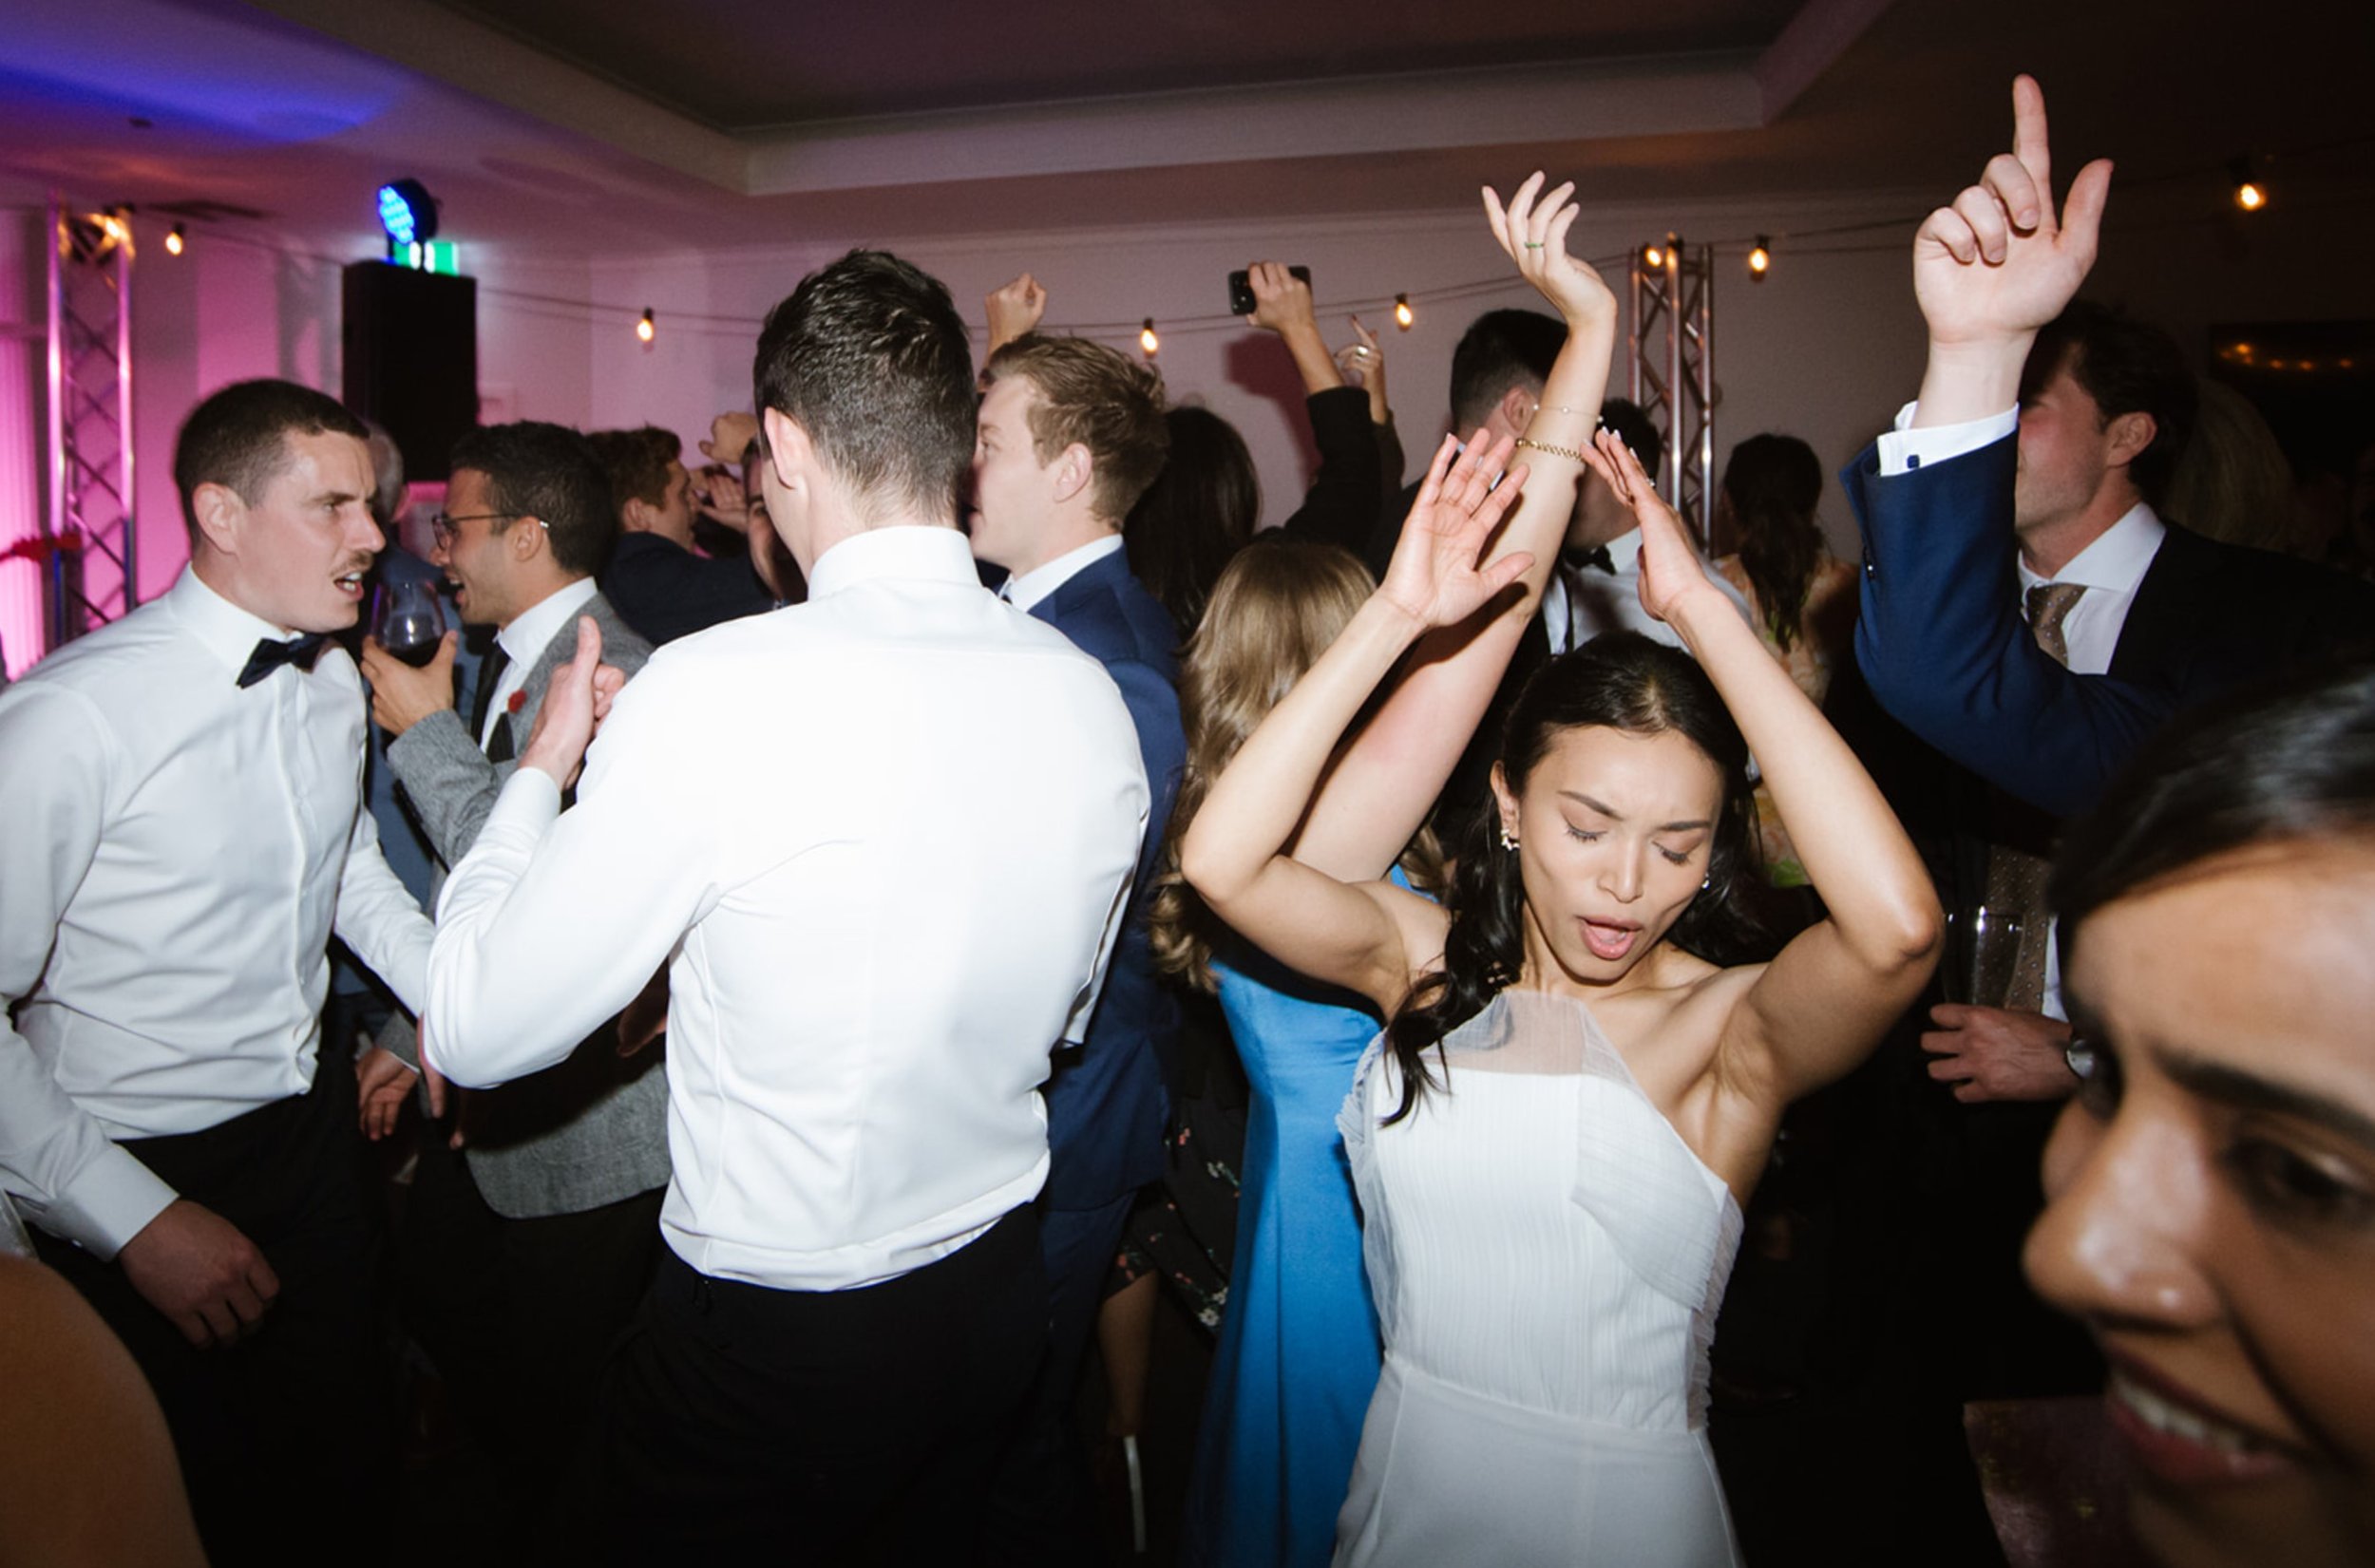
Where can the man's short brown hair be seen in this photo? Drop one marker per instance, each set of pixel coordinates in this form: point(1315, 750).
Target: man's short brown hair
point(1102, 399)
point(239, 438)
point(636, 462)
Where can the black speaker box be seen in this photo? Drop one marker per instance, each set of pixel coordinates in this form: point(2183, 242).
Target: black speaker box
point(411, 359)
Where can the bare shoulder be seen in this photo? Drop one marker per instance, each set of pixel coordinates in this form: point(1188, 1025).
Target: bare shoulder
point(1668, 1026)
point(1671, 1033)
point(1698, 997)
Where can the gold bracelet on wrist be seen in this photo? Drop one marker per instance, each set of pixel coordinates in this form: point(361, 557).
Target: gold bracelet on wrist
point(1567, 452)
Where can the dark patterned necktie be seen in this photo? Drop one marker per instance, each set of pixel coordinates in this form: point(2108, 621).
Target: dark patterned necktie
point(2016, 880)
point(2049, 605)
point(271, 653)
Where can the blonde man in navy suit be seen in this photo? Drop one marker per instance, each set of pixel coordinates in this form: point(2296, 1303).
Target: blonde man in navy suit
point(1072, 433)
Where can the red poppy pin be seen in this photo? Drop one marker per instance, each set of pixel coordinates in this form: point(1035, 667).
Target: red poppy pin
point(519, 700)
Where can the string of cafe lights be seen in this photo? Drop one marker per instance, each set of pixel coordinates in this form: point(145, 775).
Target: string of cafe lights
point(2249, 187)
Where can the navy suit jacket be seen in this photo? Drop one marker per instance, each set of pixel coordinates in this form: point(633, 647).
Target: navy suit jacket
point(1943, 644)
point(665, 592)
point(1106, 1100)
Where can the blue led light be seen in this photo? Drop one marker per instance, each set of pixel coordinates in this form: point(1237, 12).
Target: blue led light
point(394, 215)
point(407, 212)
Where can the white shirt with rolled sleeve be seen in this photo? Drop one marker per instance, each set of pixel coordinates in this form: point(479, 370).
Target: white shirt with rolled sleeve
point(176, 852)
point(884, 841)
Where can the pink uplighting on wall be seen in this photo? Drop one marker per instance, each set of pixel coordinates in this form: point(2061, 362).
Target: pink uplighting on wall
point(21, 579)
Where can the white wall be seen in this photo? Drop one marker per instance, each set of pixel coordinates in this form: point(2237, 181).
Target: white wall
point(1804, 352)
point(1825, 349)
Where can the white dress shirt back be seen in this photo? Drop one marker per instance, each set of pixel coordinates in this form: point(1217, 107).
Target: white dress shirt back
point(175, 854)
point(886, 836)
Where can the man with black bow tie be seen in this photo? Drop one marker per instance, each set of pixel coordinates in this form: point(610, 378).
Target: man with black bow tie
point(180, 835)
point(1595, 588)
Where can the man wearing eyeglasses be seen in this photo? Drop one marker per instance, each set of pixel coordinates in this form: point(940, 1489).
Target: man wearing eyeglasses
point(532, 1229)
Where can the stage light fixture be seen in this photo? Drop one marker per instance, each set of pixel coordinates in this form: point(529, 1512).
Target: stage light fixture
point(407, 212)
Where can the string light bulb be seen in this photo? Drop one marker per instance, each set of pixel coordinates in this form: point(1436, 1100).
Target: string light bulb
point(1402, 317)
point(175, 240)
point(646, 328)
point(1761, 259)
point(2250, 195)
point(1147, 343)
point(1653, 258)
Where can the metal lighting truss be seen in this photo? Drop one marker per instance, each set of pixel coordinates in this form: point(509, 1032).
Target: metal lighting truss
point(90, 544)
point(1671, 347)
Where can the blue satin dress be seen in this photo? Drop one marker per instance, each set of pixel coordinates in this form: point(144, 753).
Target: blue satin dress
point(1298, 1355)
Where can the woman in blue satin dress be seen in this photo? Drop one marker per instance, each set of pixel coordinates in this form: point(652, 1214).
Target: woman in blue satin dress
point(1298, 1354)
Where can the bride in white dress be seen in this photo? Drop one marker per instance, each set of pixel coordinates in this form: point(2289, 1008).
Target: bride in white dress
point(1581, 1080)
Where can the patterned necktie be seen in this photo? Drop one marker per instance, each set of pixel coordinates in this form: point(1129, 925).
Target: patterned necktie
point(2016, 880)
point(2049, 605)
point(271, 653)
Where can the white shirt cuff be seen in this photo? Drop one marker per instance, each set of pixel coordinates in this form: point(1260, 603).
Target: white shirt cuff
point(110, 1202)
point(528, 805)
point(1904, 449)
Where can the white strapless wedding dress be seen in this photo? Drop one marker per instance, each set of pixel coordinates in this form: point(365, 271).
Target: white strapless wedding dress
point(1546, 1256)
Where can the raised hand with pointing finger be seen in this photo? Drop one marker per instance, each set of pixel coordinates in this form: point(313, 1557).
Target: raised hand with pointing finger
point(1997, 263)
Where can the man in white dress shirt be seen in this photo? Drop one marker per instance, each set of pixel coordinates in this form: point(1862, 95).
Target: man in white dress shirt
point(1597, 585)
point(183, 835)
point(905, 890)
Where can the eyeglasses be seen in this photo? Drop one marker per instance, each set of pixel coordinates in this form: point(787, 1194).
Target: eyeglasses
point(446, 527)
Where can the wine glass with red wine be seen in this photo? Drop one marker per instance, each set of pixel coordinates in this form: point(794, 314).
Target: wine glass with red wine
point(409, 620)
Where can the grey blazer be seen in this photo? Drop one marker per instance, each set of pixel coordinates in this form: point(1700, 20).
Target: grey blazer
point(593, 1129)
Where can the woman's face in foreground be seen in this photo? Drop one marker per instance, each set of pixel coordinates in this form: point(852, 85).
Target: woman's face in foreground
point(2213, 1200)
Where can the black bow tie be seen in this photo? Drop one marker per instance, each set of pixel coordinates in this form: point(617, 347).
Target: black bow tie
point(1596, 557)
point(269, 655)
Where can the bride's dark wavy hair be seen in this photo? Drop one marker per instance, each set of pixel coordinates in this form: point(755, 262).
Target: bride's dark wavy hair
point(1620, 681)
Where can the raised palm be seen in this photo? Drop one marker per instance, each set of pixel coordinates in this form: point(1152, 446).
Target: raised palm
point(1434, 576)
point(1670, 564)
point(1531, 226)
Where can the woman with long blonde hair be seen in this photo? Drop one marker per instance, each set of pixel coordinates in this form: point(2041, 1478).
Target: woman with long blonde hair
point(1297, 1354)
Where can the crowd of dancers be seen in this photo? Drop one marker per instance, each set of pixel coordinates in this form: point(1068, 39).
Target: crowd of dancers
point(810, 1002)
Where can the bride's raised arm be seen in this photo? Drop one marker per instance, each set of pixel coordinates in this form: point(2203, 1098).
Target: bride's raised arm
point(1381, 790)
point(1369, 936)
point(1819, 1008)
